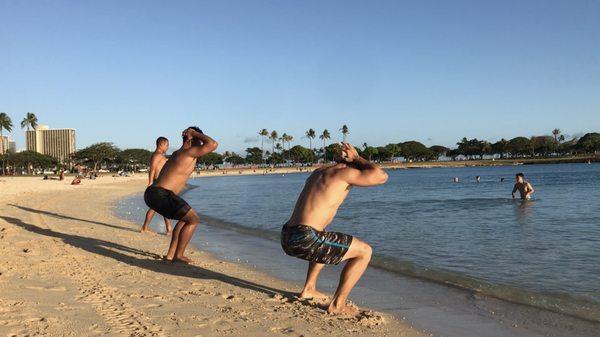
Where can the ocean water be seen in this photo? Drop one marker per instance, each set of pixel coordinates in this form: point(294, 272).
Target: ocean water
point(544, 253)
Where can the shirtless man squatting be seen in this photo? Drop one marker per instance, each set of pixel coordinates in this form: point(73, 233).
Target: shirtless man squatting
point(157, 161)
point(304, 235)
point(163, 195)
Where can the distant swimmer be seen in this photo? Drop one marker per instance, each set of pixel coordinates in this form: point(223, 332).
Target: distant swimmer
point(304, 236)
point(163, 195)
point(157, 161)
point(455, 179)
point(524, 187)
point(501, 180)
point(478, 178)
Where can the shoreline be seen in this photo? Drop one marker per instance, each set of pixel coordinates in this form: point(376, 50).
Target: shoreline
point(466, 308)
point(236, 171)
point(73, 268)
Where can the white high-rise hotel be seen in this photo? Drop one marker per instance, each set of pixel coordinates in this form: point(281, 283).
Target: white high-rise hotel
point(57, 143)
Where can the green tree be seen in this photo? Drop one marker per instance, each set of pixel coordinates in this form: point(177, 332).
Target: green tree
point(32, 159)
point(263, 133)
point(589, 143)
point(413, 150)
point(543, 145)
point(274, 137)
point(234, 159)
point(5, 123)
point(254, 155)
point(393, 150)
point(438, 151)
point(310, 134)
point(134, 157)
point(29, 120)
point(97, 154)
point(212, 158)
point(556, 134)
point(501, 147)
point(520, 146)
point(276, 158)
point(300, 154)
point(325, 136)
point(370, 152)
point(345, 132)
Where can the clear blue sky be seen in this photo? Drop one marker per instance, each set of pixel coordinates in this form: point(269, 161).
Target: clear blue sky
point(434, 71)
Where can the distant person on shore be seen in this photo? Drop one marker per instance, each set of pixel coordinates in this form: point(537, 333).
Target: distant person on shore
point(157, 161)
point(304, 235)
point(163, 195)
point(524, 187)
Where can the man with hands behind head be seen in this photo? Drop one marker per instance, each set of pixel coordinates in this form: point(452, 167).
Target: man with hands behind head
point(163, 195)
point(304, 235)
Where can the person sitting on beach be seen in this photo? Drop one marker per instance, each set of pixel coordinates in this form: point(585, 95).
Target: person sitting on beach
point(524, 187)
point(163, 195)
point(304, 235)
point(157, 161)
point(76, 181)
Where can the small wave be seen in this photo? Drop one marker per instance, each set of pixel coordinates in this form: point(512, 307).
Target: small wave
point(560, 303)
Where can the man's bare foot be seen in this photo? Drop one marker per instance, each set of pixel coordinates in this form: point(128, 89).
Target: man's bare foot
point(312, 294)
point(182, 259)
point(169, 231)
point(167, 258)
point(344, 310)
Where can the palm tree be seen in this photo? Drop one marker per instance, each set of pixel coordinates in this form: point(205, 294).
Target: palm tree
point(29, 120)
point(324, 137)
point(556, 133)
point(345, 131)
point(273, 137)
point(5, 123)
point(278, 147)
point(283, 139)
point(263, 133)
point(311, 134)
point(289, 140)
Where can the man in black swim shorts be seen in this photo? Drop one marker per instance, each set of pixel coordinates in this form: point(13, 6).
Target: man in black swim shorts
point(304, 235)
point(163, 195)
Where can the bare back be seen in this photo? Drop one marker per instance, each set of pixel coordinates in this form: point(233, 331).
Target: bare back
point(323, 193)
point(176, 171)
point(157, 162)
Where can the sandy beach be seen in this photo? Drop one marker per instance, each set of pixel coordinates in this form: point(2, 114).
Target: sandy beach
point(69, 267)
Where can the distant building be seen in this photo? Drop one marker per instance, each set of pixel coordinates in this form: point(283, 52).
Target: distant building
point(12, 146)
point(57, 143)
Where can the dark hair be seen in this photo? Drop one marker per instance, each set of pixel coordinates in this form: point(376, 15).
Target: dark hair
point(520, 174)
point(161, 140)
point(195, 128)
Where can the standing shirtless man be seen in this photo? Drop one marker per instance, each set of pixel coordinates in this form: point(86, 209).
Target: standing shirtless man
point(524, 187)
point(163, 195)
point(157, 161)
point(304, 236)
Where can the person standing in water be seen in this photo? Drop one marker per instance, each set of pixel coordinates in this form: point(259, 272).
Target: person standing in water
point(157, 161)
point(163, 195)
point(304, 235)
point(524, 187)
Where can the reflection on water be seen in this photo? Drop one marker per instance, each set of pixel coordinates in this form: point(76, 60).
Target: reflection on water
point(524, 211)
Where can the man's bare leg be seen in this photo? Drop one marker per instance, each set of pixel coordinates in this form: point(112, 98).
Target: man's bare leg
point(147, 220)
point(191, 220)
point(358, 256)
point(174, 240)
point(168, 225)
point(310, 286)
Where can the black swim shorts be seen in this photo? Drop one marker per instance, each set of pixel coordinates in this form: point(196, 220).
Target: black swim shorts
point(309, 244)
point(166, 203)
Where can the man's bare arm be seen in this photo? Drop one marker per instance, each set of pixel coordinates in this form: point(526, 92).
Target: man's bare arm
point(530, 189)
point(208, 144)
point(361, 172)
point(152, 171)
point(515, 189)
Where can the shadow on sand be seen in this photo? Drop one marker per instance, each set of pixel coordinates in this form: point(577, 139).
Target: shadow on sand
point(116, 251)
point(60, 216)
